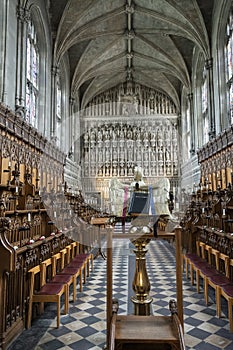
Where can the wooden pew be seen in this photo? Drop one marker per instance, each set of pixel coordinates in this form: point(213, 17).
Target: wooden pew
point(227, 292)
point(46, 292)
point(215, 269)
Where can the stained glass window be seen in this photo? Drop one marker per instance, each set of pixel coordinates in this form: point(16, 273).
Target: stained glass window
point(32, 76)
point(204, 104)
point(58, 99)
point(229, 68)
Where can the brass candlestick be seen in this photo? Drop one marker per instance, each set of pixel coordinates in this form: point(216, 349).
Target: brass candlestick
point(141, 283)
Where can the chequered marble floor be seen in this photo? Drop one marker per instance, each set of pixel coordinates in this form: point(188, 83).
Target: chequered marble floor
point(85, 327)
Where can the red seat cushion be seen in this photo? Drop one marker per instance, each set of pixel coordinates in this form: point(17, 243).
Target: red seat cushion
point(79, 260)
point(51, 289)
point(61, 278)
point(200, 263)
point(87, 255)
point(228, 289)
point(219, 279)
point(208, 270)
point(69, 271)
point(74, 264)
point(193, 257)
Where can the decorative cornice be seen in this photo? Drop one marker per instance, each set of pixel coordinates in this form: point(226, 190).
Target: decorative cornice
point(216, 145)
point(12, 124)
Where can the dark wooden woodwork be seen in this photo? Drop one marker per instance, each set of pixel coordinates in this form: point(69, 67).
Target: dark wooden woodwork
point(29, 231)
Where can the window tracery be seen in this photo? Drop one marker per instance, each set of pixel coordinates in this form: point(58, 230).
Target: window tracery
point(32, 76)
point(229, 67)
point(204, 92)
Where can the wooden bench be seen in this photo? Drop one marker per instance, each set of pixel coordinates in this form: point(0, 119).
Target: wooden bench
point(77, 255)
point(227, 292)
point(41, 292)
point(214, 268)
point(75, 263)
point(53, 277)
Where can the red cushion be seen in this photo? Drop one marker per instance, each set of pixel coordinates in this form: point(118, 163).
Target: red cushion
point(69, 271)
point(228, 289)
point(51, 289)
point(200, 263)
point(79, 258)
point(87, 255)
point(219, 279)
point(208, 270)
point(61, 278)
point(74, 264)
point(192, 257)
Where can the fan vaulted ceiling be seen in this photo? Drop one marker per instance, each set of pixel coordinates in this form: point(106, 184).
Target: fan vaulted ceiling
point(148, 41)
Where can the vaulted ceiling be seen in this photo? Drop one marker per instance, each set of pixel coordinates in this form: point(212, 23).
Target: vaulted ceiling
point(148, 41)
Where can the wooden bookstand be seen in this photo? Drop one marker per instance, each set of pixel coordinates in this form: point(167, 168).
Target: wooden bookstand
point(143, 332)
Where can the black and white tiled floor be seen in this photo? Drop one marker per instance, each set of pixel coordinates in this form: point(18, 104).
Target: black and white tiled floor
point(85, 327)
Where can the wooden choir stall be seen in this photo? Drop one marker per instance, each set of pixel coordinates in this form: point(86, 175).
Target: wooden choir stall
point(40, 221)
point(207, 226)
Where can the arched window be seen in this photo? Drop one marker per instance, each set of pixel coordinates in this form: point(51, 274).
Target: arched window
point(59, 130)
point(186, 132)
point(58, 99)
point(229, 68)
point(32, 76)
point(204, 104)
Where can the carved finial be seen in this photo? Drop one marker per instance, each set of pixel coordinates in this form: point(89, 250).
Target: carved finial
point(2, 207)
point(4, 222)
point(115, 305)
point(173, 306)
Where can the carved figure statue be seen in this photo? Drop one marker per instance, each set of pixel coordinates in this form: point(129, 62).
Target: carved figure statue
point(119, 193)
point(117, 196)
point(138, 178)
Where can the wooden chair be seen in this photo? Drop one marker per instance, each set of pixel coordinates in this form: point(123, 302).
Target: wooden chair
point(88, 257)
point(66, 269)
point(59, 278)
point(76, 263)
point(220, 278)
point(196, 261)
point(203, 267)
point(189, 259)
point(46, 292)
point(227, 292)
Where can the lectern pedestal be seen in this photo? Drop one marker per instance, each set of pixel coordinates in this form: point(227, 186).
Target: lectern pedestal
point(141, 236)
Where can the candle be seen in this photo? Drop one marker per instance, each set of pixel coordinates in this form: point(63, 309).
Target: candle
point(203, 210)
point(29, 216)
point(16, 189)
point(55, 214)
point(223, 211)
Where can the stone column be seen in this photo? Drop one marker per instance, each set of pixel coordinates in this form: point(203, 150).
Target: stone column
point(21, 61)
point(209, 70)
point(71, 135)
point(192, 124)
point(3, 40)
point(54, 73)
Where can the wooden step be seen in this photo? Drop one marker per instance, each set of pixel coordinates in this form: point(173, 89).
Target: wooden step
point(142, 332)
point(134, 346)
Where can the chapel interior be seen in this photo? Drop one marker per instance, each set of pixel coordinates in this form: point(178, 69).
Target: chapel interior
point(102, 103)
